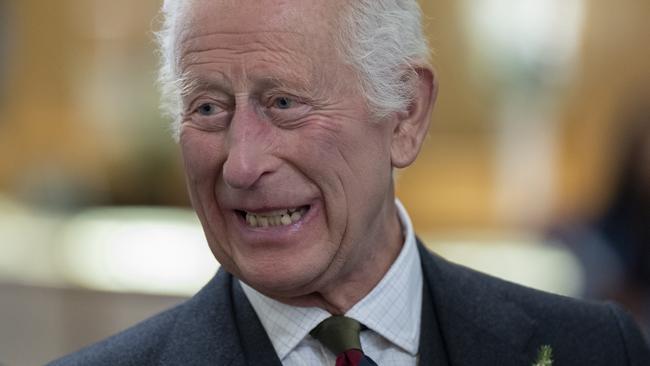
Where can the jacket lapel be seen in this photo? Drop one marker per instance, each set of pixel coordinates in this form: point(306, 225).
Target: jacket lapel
point(478, 325)
point(255, 342)
point(432, 349)
point(205, 332)
point(218, 326)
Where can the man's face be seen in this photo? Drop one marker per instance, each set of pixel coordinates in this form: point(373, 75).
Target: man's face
point(288, 173)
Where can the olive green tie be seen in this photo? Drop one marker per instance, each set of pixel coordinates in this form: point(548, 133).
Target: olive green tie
point(340, 335)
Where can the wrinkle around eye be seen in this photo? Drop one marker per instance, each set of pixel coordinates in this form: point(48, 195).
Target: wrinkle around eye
point(207, 124)
point(292, 117)
point(287, 109)
point(217, 120)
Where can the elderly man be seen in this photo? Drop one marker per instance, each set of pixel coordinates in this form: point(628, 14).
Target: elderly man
point(291, 116)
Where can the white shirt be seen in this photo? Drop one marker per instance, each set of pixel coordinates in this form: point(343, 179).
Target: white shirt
point(391, 311)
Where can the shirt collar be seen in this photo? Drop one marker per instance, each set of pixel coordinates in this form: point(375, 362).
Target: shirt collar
point(392, 309)
point(394, 306)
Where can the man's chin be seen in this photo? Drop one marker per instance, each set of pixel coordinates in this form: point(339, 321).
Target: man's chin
point(282, 283)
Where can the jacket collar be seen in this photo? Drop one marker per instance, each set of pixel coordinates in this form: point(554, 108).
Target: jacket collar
point(220, 327)
point(477, 322)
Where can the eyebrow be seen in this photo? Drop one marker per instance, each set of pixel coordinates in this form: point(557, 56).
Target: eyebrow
point(270, 82)
point(192, 84)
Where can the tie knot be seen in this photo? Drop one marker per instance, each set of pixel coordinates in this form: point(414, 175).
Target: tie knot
point(338, 334)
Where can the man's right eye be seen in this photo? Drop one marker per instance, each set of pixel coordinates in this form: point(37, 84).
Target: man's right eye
point(208, 109)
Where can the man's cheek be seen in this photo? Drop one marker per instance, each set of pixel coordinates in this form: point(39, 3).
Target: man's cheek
point(194, 171)
point(201, 163)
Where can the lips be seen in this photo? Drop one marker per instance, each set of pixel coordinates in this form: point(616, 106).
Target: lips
point(278, 217)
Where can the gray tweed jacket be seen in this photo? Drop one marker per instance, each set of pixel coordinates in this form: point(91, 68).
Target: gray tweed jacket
point(469, 318)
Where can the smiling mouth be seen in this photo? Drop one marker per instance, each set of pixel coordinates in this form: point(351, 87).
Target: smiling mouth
point(282, 217)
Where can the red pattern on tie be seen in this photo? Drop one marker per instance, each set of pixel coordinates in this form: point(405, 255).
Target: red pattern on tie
point(349, 358)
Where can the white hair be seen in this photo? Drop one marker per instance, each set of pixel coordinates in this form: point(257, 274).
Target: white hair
point(381, 39)
point(169, 79)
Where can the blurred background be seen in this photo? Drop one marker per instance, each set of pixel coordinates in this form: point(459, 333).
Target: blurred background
point(536, 168)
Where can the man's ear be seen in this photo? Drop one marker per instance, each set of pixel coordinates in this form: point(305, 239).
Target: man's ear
point(413, 123)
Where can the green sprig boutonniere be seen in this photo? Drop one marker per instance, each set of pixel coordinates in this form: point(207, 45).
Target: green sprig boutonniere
point(544, 356)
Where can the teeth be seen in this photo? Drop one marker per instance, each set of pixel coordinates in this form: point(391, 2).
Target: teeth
point(296, 216)
point(275, 218)
point(251, 220)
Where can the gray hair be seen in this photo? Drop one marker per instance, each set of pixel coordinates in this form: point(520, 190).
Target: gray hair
point(381, 39)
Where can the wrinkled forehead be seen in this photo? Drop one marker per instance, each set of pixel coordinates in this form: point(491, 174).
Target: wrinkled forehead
point(221, 58)
point(288, 40)
point(315, 20)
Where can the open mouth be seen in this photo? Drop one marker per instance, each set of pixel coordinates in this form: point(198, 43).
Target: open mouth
point(282, 217)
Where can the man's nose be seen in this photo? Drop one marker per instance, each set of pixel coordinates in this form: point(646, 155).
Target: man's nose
point(249, 150)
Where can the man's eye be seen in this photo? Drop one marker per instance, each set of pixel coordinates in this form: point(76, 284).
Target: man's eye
point(283, 103)
point(207, 109)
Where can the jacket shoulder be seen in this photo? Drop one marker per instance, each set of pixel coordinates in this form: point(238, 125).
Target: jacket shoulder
point(137, 345)
point(579, 332)
point(183, 335)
